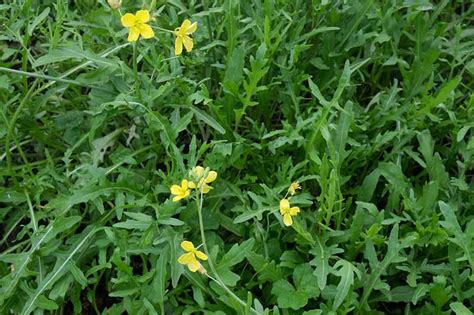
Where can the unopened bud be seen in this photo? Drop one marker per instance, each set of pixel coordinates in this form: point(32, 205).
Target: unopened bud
point(202, 270)
point(114, 4)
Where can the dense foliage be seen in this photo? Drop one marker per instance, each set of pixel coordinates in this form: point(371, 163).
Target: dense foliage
point(368, 104)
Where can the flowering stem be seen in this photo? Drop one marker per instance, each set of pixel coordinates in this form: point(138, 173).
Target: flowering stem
point(218, 280)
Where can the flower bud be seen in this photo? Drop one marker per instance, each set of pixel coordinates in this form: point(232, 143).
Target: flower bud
point(202, 270)
point(114, 4)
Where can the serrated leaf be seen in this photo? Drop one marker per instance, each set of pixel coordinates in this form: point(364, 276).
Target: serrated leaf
point(345, 270)
point(58, 270)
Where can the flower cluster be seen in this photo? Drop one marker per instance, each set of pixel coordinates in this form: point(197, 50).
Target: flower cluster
point(286, 211)
point(200, 177)
point(137, 26)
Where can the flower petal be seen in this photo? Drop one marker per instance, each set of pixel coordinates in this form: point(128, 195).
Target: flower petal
point(194, 265)
point(287, 220)
point(192, 28)
point(198, 171)
point(211, 176)
point(143, 16)
point(294, 210)
point(128, 20)
point(188, 43)
point(186, 193)
point(176, 190)
point(178, 46)
point(178, 198)
point(184, 27)
point(191, 185)
point(187, 246)
point(186, 258)
point(146, 31)
point(200, 255)
point(206, 188)
point(133, 34)
point(184, 184)
point(284, 205)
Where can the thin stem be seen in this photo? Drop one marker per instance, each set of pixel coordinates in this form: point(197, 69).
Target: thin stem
point(218, 280)
point(10, 231)
point(41, 76)
point(11, 127)
point(135, 70)
point(13, 147)
point(162, 29)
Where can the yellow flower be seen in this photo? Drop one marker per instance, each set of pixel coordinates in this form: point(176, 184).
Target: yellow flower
point(137, 25)
point(287, 212)
point(182, 37)
point(203, 177)
point(191, 257)
point(293, 187)
point(180, 192)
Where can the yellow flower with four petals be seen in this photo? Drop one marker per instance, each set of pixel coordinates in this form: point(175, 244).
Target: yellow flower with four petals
point(137, 25)
point(182, 191)
point(287, 212)
point(182, 37)
point(191, 257)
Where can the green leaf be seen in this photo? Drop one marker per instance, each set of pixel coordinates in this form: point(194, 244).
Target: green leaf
point(236, 254)
point(305, 281)
point(321, 262)
point(345, 270)
point(38, 19)
point(72, 51)
point(161, 275)
point(123, 293)
point(86, 194)
point(58, 270)
point(287, 296)
point(207, 119)
point(459, 309)
point(45, 303)
point(452, 227)
point(378, 268)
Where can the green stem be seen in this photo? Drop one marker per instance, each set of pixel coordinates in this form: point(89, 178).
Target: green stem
point(217, 279)
point(35, 229)
point(42, 76)
point(163, 29)
point(11, 129)
point(135, 69)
